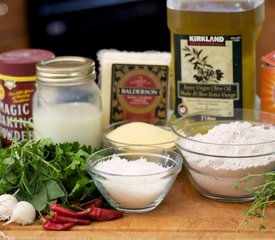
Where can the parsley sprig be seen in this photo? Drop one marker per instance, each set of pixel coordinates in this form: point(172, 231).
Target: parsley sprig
point(44, 171)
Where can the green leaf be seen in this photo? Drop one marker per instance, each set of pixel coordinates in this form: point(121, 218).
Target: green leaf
point(39, 200)
point(83, 188)
point(54, 191)
point(9, 161)
point(11, 178)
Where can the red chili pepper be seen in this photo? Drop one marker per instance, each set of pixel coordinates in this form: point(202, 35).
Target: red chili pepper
point(103, 214)
point(59, 218)
point(76, 204)
point(52, 226)
point(94, 203)
point(68, 212)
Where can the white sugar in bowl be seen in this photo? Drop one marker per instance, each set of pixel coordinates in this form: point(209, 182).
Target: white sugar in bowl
point(134, 179)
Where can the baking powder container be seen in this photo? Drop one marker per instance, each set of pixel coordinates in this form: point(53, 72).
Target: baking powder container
point(268, 83)
point(17, 86)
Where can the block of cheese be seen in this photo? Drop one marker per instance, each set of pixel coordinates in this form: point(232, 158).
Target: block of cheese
point(134, 85)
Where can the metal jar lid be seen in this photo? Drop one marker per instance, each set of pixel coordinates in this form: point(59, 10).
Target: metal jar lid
point(22, 62)
point(65, 70)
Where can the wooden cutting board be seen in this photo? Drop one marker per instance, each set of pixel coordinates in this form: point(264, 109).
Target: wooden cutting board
point(184, 214)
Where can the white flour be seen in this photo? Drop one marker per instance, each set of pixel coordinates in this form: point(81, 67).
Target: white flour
point(232, 151)
point(134, 191)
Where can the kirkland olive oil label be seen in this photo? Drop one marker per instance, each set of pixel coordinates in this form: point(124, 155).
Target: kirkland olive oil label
point(139, 92)
point(208, 73)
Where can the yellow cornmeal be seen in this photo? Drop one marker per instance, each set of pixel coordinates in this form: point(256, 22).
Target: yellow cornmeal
point(141, 133)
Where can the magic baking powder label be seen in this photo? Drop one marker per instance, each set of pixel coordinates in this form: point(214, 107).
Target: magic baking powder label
point(17, 87)
point(16, 95)
point(139, 92)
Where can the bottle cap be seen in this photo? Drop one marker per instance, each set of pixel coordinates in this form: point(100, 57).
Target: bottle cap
point(65, 69)
point(22, 62)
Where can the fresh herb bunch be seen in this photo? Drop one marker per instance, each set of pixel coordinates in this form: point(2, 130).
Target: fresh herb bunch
point(264, 197)
point(44, 172)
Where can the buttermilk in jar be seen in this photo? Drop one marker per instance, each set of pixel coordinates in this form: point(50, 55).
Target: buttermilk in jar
point(67, 103)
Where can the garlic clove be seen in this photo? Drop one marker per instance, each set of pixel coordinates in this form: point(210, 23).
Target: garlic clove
point(24, 213)
point(7, 204)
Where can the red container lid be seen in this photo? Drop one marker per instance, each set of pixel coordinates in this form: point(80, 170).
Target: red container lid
point(269, 58)
point(22, 62)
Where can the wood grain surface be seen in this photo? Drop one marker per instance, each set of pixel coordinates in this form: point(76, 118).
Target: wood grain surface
point(184, 214)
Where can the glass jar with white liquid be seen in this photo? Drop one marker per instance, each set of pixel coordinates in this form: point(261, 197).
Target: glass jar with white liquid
point(67, 102)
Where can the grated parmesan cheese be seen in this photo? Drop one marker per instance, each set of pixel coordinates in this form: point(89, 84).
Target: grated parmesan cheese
point(141, 133)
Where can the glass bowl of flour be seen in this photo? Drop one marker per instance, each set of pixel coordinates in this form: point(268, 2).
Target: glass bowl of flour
point(134, 179)
point(220, 148)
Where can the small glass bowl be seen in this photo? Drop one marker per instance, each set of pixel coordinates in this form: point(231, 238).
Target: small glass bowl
point(132, 137)
point(214, 168)
point(135, 193)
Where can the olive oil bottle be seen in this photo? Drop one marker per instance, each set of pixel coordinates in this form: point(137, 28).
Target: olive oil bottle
point(213, 53)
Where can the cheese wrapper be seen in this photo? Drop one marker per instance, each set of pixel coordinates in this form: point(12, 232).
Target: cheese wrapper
point(134, 86)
